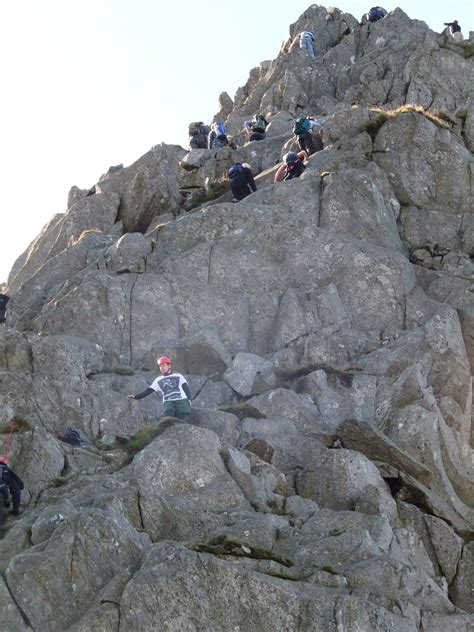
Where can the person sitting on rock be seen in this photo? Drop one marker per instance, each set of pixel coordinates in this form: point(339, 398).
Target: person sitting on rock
point(376, 13)
point(242, 182)
point(256, 127)
point(218, 136)
point(198, 133)
point(13, 482)
point(306, 39)
point(173, 388)
point(292, 166)
point(308, 134)
point(3, 306)
point(455, 30)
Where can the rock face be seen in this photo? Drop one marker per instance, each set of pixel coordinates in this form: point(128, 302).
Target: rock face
point(324, 479)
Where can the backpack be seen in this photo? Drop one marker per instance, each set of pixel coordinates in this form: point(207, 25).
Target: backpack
point(376, 13)
point(301, 126)
point(218, 143)
point(3, 474)
point(220, 129)
point(258, 124)
point(196, 128)
point(235, 170)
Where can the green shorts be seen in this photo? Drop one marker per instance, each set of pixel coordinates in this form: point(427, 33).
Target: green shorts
point(179, 408)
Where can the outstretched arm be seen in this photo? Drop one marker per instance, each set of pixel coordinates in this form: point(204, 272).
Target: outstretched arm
point(145, 393)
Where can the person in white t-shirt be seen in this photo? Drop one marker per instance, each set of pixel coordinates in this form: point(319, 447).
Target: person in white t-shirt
point(173, 388)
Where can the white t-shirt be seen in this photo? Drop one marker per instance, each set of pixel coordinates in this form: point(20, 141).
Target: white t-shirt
point(170, 386)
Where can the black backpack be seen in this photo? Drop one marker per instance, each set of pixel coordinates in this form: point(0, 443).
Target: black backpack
point(4, 476)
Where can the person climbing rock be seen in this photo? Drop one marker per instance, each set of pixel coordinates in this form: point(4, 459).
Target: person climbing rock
point(376, 13)
point(173, 388)
point(218, 136)
point(292, 166)
point(306, 39)
point(455, 30)
point(3, 306)
point(256, 127)
point(13, 482)
point(198, 133)
point(242, 182)
point(308, 134)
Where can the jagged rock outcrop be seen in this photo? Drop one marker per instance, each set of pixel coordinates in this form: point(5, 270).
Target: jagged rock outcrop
point(324, 480)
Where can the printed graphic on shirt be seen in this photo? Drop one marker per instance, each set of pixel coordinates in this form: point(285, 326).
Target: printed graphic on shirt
point(170, 386)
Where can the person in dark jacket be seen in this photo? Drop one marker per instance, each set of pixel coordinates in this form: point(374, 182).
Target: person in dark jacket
point(3, 306)
point(13, 482)
point(198, 133)
point(173, 388)
point(455, 29)
point(242, 182)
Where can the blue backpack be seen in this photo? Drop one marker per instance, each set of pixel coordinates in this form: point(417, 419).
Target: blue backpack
point(235, 170)
point(220, 128)
point(376, 13)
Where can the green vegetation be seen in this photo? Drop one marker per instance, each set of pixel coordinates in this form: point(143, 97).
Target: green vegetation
point(242, 410)
point(327, 568)
point(215, 189)
point(439, 118)
point(464, 49)
point(149, 432)
point(230, 545)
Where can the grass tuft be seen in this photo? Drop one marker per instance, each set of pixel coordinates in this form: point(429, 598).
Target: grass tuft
point(438, 117)
point(149, 432)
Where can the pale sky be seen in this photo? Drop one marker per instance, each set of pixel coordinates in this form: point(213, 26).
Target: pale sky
point(91, 83)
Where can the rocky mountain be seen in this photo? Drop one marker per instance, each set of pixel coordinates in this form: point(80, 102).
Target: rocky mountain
point(324, 480)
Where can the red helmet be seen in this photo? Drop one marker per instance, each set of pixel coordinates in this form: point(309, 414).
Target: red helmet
point(4, 459)
point(164, 360)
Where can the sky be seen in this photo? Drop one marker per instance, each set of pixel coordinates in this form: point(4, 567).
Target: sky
point(87, 84)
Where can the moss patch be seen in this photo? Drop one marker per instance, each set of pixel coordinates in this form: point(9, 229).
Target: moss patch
point(149, 432)
point(242, 410)
point(230, 545)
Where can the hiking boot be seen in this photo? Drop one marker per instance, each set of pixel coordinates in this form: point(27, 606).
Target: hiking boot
point(15, 512)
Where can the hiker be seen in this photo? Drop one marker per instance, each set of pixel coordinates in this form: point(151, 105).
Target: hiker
point(72, 437)
point(308, 134)
point(198, 133)
point(242, 182)
point(3, 306)
point(292, 166)
point(173, 388)
point(306, 39)
point(14, 483)
point(218, 136)
point(256, 127)
point(376, 13)
point(455, 30)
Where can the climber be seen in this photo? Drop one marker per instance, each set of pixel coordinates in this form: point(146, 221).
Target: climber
point(218, 136)
point(173, 388)
point(198, 133)
point(14, 483)
point(306, 39)
point(256, 127)
point(455, 30)
point(73, 437)
point(376, 13)
point(242, 182)
point(292, 166)
point(308, 134)
point(3, 306)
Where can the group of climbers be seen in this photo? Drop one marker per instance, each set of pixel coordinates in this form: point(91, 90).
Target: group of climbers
point(203, 136)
